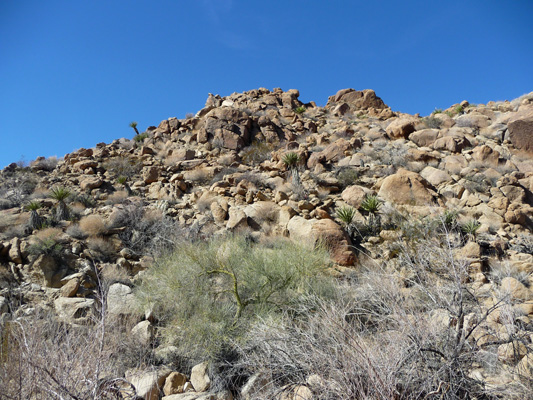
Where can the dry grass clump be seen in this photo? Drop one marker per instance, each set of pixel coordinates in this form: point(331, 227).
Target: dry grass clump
point(48, 233)
point(102, 249)
point(118, 197)
point(93, 225)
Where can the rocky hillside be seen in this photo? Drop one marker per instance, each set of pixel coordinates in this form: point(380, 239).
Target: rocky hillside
point(372, 186)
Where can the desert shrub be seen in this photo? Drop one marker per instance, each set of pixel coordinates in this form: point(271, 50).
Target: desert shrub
point(61, 194)
point(470, 228)
point(93, 225)
point(432, 122)
point(390, 337)
point(256, 153)
point(85, 199)
point(118, 197)
point(46, 242)
point(347, 176)
point(16, 186)
point(291, 159)
point(523, 244)
point(207, 294)
point(123, 166)
point(76, 232)
point(147, 230)
point(102, 249)
point(300, 110)
point(139, 138)
point(43, 358)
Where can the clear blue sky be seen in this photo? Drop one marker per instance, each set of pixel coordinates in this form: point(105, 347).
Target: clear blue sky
point(75, 73)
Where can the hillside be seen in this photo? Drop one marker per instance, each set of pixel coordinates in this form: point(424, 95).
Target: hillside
point(426, 223)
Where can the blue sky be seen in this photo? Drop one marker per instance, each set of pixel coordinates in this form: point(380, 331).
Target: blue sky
point(75, 73)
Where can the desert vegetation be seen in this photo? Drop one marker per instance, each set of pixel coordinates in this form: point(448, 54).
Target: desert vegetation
point(268, 249)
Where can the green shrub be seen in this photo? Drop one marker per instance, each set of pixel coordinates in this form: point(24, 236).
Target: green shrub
point(347, 176)
point(46, 246)
point(207, 294)
point(437, 111)
point(299, 110)
point(61, 194)
point(140, 137)
point(432, 122)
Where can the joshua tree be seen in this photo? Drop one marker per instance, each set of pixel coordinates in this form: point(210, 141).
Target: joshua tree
point(61, 194)
point(133, 125)
point(291, 161)
point(35, 221)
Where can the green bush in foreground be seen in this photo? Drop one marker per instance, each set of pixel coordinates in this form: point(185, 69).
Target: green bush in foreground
point(206, 295)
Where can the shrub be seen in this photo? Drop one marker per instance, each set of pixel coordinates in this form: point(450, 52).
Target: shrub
point(85, 199)
point(102, 249)
point(46, 242)
point(207, 294)
point(347, 176)
point(93, 225)
point(256, 153)
point(432, 122)
point(123, 166)
point(299, 110)
point(139, 138)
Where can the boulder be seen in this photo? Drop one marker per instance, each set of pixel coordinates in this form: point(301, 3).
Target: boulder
point(516, 289)
point(355, 194)
point(486, 155)
point(326, 232)
point(91, 183)
point(200, 378)
point(406, 187)
point(435, 176)
point(424, 137)
point(228, 126)
point(143, 332)
point(150, 175)
point(237, 219)
point(74, 309)
point(14, 251)
point(357, 100)
point(47, 271)
point(454, 144)
point(174, 384)
point(148, 383)
point(120, 300)
point(401, 128)
point(521, 129)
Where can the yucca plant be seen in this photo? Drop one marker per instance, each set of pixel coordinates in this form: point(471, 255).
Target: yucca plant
point(133, 125)
point(371, 205)
point(291, 159)
point(345, 214)
point(449, 219)
point(35, 221)
point(470, 228)
point(299, 110)
point(60, 194)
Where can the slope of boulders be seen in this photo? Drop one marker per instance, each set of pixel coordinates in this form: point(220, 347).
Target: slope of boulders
point(226, 169)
